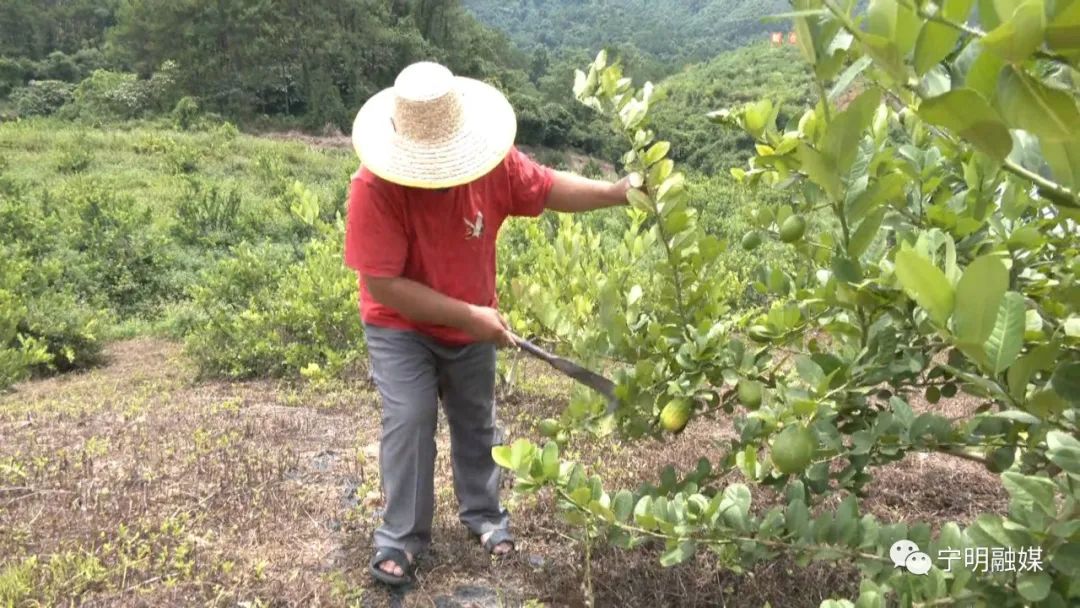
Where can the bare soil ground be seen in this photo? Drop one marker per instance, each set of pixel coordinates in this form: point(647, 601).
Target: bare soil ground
point(136, 485)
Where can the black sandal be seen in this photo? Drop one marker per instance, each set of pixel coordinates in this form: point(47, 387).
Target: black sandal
point(498, 537)
point(390, 554)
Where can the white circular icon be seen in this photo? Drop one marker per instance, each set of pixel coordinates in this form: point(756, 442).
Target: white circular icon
point(918, 563)
point(900, 550)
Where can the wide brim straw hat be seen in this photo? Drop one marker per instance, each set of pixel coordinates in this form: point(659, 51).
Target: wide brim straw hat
point(433, 129)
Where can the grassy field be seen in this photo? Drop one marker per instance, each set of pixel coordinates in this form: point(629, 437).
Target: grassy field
point(142, 481)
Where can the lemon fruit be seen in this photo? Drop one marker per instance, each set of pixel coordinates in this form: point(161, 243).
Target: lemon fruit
point(675, 415)
point(793, 449)
point(792, 229)
point(750, 393)
point(752, 240)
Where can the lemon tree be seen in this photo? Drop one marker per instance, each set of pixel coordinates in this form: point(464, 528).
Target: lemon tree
point(932, 195)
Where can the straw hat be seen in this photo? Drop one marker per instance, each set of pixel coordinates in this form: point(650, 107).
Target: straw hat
point(433, 129)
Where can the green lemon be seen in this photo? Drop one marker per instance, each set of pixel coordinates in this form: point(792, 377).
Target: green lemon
point(675, 415)
point(793, 449)
point(750, 394)
point(549, 427)
point(752, 240)
point(793, 229)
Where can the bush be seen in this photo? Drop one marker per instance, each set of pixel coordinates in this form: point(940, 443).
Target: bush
point(41, 97)
point(108, 94)
point(262, 317)
point(41, 330)
point(209, 215)
point(185, 113)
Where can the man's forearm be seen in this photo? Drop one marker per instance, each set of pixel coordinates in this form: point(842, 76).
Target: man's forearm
point(420, 303)
point(572, 193)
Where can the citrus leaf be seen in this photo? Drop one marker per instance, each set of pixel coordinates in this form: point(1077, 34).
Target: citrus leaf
point(1034, 587)
point(1018, 37)
point(846, 129)
point(967, 113)
point(1064, 160)
point(1007, 336)
point(926, 284)
point(820, 169)
point(1066, 381)
point(1028, 104)
point(978, 295)
point(657, 152)
point(623, 505)
point(682, 552)
point(1064, 451)
point(935, 42)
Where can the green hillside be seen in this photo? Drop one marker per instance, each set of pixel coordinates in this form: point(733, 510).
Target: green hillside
point(702, 28)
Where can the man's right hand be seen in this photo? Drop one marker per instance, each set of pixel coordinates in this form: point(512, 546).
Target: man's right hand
point(487, 325)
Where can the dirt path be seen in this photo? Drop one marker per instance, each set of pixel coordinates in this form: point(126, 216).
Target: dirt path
point(136, 485)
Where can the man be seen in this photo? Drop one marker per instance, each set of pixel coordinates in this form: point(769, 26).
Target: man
point(440, 174)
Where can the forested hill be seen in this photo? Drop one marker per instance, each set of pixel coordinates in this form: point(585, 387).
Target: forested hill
point(672, 31)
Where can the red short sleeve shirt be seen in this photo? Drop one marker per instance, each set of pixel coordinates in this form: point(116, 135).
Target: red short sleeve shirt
point(444, 239)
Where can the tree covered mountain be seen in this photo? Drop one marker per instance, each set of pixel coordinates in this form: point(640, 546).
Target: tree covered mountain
point(704, 27)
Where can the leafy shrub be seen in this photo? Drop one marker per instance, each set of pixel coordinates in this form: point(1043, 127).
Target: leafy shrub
point(107, 94)
point(209, 214)
point(185, 113)
point(182, 159)
point(41, 97)
point(262, 316)
point(41, 330)
point(74, 160)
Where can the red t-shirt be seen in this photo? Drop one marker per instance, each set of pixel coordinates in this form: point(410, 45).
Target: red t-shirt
point(444, 239)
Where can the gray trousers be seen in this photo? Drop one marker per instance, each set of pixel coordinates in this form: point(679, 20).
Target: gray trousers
point(413, 373)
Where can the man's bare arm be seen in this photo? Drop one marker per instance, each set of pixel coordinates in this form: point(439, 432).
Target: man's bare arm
point(572, 193)
point(422, 304)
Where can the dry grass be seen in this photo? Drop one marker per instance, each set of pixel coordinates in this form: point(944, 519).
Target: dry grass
point(134, 485)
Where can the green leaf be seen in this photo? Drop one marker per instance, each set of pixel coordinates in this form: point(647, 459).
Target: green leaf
point(926, 284)
point(865, 233)
point(643, 513)
point(982, 74)
point(657, 152)
point(521, 454)
point(1064, 451)
point(1031, 491)
point(1007, 336)
point(1067, 560)
point(1026, 103)
point(935, 42)
point(1066, 381)
point(1040, 358)
point(883, 190)
point(821, 170)
point(1018, 36)
point(756, 117)
point(501, 455)
point(640, 201)
point(1064, 160)
point(978, 296)
point(848, 76)
point(682, 552)
point(623, 505)
point(1033, 587)
point(967, 113)
point(846, 129)
point(550, 459)
point(1063, 32)
point(881, 18)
